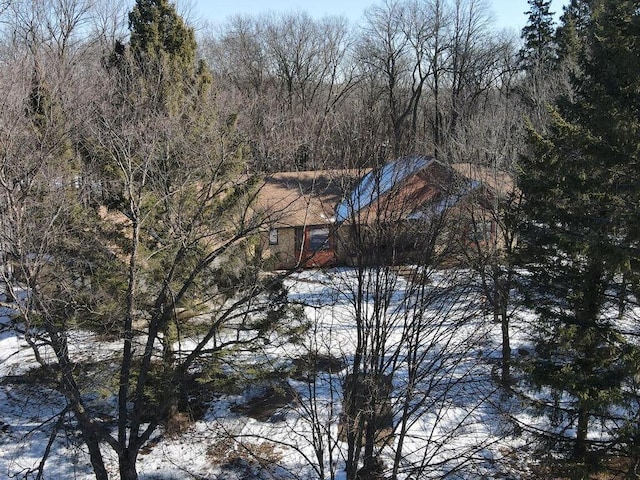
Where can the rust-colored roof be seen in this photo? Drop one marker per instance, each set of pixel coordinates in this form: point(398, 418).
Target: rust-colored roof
point(499, 181)
point(425, 186)
point(294, 199)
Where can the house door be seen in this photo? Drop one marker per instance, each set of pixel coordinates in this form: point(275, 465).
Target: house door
point(319, 250)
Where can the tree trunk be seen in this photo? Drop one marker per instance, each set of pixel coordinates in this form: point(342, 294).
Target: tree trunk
point(353, 425)
point(622, 296)
point(506, 346)
point(369, 441)
point(69, 387)
point(95, 456)
point(127, 465)
point(580, 448)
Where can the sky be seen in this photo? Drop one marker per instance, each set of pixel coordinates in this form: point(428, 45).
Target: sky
point(507, 13)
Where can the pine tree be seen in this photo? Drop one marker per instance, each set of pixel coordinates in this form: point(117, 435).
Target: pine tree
point(581, 234)
point(571, 33)
point(540, 85)
point(158, 31)
point(160, 60)
point(608, 104)
point(538, 35)
point(159, 74)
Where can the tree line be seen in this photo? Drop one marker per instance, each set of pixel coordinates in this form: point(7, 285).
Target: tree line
point(410, 78)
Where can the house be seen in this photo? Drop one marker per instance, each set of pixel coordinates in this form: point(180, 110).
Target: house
point(389, 215)
point(415, 209)
point(299, 211)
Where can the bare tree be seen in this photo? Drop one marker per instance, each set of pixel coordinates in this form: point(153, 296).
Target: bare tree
point(38, 215)
point(301, 70)
point(393, 50)
point(485, 152)
point(434, 63)
point(490, 247)
point(397, 337)
point(407, 81)
point(109, 23)
point(394, 398)
point(237, 54)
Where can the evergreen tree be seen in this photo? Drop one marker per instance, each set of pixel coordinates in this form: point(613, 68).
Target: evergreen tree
point(158, 31)
point(541, 83)
point(608, 105)
point(572, 31)
point(160, 60)
point(159, 74)
point(581, 234)
point(538, 35)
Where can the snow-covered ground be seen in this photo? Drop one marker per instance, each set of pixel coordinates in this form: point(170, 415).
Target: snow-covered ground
point(462, 423)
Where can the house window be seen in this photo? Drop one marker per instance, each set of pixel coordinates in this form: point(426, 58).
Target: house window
point(318, 239)
point(273, 236)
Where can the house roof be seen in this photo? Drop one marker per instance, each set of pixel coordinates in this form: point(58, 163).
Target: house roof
point(380, 182)
point(293, 199)
point(418, 188)
point(499, 181)
point(410, 188)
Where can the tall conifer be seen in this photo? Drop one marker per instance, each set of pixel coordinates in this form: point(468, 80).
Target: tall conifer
point(572, 31)
point(538, 35)
point(160, 60)
point(581, 234)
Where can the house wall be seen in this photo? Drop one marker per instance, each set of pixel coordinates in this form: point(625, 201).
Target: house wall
point(283, 255)
point(406, 242)
point(454, 240)
point(397, 243)
point(287, 254)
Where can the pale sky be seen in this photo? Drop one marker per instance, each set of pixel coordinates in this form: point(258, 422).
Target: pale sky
point(507, 13)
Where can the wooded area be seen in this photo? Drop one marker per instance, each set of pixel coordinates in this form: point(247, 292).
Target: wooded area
point(132, 151)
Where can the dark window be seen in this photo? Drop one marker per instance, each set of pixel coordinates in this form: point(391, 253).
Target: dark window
point(273, 236)
point(318, 239)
